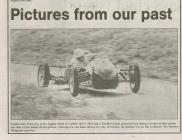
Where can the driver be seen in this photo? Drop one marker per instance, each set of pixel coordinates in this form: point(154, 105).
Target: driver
point(78, 60)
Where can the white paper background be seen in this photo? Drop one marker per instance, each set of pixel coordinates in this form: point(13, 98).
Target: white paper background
point(3, 60)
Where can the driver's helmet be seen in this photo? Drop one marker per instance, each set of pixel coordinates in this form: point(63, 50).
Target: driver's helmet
point(78, 53)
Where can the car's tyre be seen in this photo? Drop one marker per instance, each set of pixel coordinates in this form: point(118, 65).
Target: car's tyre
point(74, 82)
point(134, 77)
point(43, 76)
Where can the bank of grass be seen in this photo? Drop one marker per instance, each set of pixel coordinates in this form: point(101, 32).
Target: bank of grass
point(31, 102)
point(154, 49)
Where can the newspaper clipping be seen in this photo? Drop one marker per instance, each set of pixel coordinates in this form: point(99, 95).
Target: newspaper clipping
point(94, 66)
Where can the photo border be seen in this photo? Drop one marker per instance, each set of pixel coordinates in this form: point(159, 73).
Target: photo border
point(8, 82)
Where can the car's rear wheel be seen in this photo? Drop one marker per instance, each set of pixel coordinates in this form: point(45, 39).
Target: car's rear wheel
point(74, 82)
point(134, 77)
point(43, 76)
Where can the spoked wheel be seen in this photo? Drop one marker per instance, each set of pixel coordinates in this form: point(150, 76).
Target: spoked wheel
point(134, 77)
point(43, 76)
point(74, 82)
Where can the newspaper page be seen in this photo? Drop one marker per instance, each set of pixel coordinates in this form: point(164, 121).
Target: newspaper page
point(94, 66)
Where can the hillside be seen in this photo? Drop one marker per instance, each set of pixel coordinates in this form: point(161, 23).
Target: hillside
point(154, 49)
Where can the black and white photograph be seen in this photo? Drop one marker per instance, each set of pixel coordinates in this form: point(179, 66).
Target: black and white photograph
point(94, 74)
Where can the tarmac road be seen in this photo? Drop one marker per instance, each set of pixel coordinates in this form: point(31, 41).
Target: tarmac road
point(157, 99)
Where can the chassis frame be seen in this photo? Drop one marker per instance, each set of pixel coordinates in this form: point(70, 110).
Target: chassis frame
point(79, 77)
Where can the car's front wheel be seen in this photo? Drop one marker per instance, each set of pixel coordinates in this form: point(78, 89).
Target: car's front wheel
point(74, 82)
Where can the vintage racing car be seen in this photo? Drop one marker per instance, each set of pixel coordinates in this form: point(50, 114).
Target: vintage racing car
point(98, 73)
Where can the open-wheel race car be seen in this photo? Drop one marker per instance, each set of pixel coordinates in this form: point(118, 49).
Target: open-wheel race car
point(97, 73)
